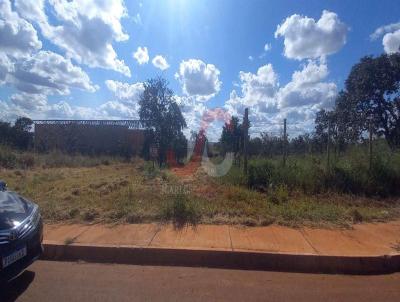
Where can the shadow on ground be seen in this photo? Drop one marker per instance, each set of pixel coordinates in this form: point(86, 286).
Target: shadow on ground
point(12, 290)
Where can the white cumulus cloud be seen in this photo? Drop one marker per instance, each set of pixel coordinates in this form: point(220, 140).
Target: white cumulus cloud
point(29, 101)
point(382, 30)
point(269, 103)
point(141, 55)
point(17, 36)
point(125, 90)
point(160, 62)
point(49, 73)
point(267, 47)
point(306, 38)
point(258, 92)
point(391, 42)
point(391, 37)
point(199, 79)
point(85, 30)
point(308, 89)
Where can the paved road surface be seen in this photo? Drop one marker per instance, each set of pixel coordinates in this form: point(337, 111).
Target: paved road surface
point(66, 281)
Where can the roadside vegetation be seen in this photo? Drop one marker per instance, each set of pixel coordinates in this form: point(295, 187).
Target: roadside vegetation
point(289, 180)
point(348, 174)
point(137, 192)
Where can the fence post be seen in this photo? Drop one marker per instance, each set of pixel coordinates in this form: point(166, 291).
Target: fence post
point(245, 138)
point(284, 142)
point(370, 145)
point(328, 151)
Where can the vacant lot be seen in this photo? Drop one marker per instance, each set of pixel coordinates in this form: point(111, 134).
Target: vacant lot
point(136, 192)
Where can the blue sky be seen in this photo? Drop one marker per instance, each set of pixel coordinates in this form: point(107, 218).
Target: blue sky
point(61, 59)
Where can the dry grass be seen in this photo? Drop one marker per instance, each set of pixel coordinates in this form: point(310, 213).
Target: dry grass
point(135, 192)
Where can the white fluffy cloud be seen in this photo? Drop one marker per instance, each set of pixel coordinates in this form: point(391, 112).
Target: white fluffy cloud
point(391, 42)
point(160, 62)
point(391, 37)
point(258, 91)
point(306, 38)
point(270, 103)
point(17, 36)
point(380, 31)
point(49, 73)
point(6, 66)
point(126, 102)
point(199, 79)
point(141, 55)
point(36, 107)
point(125, 90)
point(308, 89)
point(77, 21)
point(263, 83)
point(118, 110)
point(29, 101)
point(34, 74)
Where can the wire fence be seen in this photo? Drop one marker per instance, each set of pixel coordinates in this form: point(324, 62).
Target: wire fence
point(287, 138)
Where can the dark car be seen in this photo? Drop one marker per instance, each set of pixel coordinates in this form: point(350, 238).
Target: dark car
point(21, 233)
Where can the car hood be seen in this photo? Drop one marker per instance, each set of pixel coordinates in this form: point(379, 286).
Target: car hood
point(13, 209)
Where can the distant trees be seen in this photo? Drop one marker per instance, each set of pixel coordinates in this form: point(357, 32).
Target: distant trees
point(19, 135)
point(231, 136)
point(162, 116)
point(371, 98)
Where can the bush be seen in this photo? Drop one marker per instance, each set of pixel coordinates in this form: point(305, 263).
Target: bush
point(180, 210)
point(260, 175)
point(279, 195)
point(27, 160)
point(8, 159)
point(309, 174)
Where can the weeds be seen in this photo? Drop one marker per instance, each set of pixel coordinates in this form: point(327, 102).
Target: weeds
point(12, 159)
point(181, 210)
point(135, 193)
point(349, 175)
point(69, 241)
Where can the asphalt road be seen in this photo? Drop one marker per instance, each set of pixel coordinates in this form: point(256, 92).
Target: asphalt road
point(66, 281)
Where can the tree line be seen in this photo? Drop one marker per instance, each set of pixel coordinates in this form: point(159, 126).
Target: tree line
point(369, 102)
point(19, 135)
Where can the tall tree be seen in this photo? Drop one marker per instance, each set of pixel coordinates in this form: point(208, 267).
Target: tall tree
point(161, 114)
point(373, 89)
point(19, 135)
point(231, 136)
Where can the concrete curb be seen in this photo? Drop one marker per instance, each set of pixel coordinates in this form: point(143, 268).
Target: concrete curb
point(305, 263)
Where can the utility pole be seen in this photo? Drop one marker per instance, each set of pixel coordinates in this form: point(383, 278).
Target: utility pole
point(370, 145)
point(328, 151)
point(284, 142)
point(245, 138)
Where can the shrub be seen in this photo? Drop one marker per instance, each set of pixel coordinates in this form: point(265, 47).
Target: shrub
point(8, 159)
point(279, 195)
point(235, 176)
point(348, 174)
point(181, 210)
point(260, 175)
point(27, 160)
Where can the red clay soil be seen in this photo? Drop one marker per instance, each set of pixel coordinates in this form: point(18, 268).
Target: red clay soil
point(189, 169)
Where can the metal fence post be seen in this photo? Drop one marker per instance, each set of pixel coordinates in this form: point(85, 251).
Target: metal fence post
point(370, 145)
point(245, 138)
point(284, 142)
point(328, 147)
